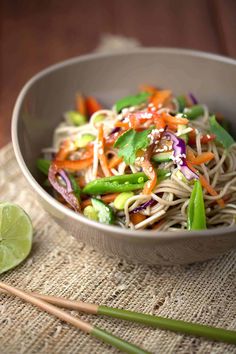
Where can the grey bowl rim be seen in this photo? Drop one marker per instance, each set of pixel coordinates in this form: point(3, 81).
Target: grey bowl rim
point(134, 234)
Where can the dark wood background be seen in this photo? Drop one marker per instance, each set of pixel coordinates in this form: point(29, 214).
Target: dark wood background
point(37, 33)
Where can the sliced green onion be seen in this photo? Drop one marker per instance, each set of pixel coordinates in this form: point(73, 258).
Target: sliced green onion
point(75, 118)
point(120, 200)
point(84, 140)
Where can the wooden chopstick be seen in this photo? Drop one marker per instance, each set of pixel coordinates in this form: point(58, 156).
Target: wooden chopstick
point(78, 323)
point(218, 334)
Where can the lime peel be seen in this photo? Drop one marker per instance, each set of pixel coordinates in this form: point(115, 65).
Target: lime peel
point(16, 232)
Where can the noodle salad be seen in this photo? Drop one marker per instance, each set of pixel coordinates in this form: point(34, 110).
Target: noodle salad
point(153, 161)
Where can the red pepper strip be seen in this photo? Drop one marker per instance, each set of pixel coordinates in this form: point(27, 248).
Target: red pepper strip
point(74, 165)
point(204, 139)
point(101, 154)
point(80, 104)
point(137, 119)
point(92, 105)
point(206, 185)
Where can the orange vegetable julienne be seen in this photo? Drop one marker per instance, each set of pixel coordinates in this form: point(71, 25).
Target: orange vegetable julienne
point(116, 160)
point(160, 98)
point(92, 105)
point(149, 171)
point(198, 160)
point(137, 218)
point(206, 185)
point(101, 154)
point(74, 165)
point(80, 104)
point(66, 147)
point(148, 88)
point(174, 120)
point(108, 198)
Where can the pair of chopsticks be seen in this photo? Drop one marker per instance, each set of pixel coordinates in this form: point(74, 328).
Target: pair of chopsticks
point(50, 303)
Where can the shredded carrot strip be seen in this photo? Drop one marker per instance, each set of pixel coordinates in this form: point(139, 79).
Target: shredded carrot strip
point(149, 185)
point(148, 88)
point(149, 171)
point(137, 218)
point(206, 185)
point(66, 147)
point(159, 122)
point(92, 105)
point(160, 98)
point(101, 154)
point(116, 160)
point(80, 104)
point(74, 165)
point(108, 198)
point(198, 160)
point(173, 120)
point(123, 125)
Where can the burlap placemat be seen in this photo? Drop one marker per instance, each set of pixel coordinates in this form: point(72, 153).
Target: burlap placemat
point(59, 265)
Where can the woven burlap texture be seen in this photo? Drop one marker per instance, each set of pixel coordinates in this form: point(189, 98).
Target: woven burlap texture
point(59, 265)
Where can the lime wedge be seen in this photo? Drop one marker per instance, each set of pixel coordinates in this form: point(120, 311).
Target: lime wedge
point(15, 235)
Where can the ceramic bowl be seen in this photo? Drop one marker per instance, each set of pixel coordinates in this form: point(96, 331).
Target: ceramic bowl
point(39, 109)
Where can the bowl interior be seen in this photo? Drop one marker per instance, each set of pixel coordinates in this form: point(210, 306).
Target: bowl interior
point(109, 77)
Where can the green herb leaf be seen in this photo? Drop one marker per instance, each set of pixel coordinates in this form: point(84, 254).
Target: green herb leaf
point(130, 142)
point(129, 101)
point(222, 136)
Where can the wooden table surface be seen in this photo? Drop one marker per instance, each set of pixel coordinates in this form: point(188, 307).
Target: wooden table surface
point(38, 33)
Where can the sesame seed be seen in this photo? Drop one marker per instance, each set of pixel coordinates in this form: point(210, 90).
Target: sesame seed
point(101, 151)
point(150, 169)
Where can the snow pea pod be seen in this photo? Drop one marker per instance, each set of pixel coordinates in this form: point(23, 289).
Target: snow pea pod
point(113, 184)
point(181, 103)
point(123, 183)
point(196, 216)
point(194, 112)
point(222, 136)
